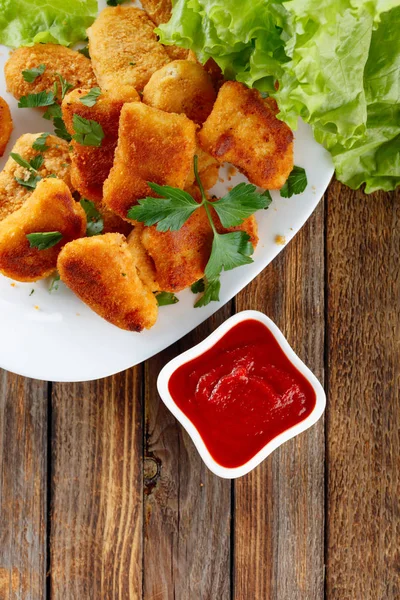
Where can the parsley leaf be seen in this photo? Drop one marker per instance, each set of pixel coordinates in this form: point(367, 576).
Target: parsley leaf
point(211, 293)
point(84, 51)
point(60, 129)
point(169, 212)
point(30, 183)
point(165, 298)
point(91, 98)
point(30, 75)
point(87, 132)
point(95, 224)
point(65, 86)
point(295, 184)
point(40, 143)
point(44, 240)
point(36, 162)
point(53, 111)
point(55, 283)
point(21, 161)
point(198, 286)
point(229, 250)
point(238, 204)
point(35, 100)
point(115, 2)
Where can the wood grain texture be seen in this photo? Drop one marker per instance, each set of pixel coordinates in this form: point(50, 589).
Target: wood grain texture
point(187, 509)
point(96, 526)
point(363, 423)
point(279, 507)
point(23, 487)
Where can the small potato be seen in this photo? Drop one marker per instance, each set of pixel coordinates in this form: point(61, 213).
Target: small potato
point(56, 162)
point(243, 129)
point(75, 68)
point(6, 125)
point(152, 146)
point(182, 86)
point(102, 273)
point(50, 208)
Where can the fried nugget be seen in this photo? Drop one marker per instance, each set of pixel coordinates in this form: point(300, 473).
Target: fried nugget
point(101, 272)
point(152, 146)
point(160, 11)
point(180, 257)
point(6, 125)
point(143, 261)
point(75, 68)
point(56, 162)
point(243, 129)
point(50, 208)
point(208, 169)
point(124, 48)
point(182, 86)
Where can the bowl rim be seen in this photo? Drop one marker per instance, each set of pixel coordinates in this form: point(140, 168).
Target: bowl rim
point(207, 343)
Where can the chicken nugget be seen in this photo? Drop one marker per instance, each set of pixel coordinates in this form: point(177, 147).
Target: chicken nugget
point(101, 272)
point(50, 208)
point(75, 68)
point(243, 129)
point(153, 146)
point(182, 86)
point(180, 257)
point(160, 11)
point(6, 125)
point(56, 161)
point(143, 261)
point(124, 48)
point(208, 169)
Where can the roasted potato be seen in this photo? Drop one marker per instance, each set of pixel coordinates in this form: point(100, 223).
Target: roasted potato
point(75, 68)
point(56, 162)
point(50, 208)
point(124, 48)
point(6, 125)
point(183, 87)
point(152, 146)
point(102, 273)
point(243, 129)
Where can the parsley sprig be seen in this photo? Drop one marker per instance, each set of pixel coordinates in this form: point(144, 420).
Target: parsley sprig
point(30, 75)
point(229, 250)
point(32, 166)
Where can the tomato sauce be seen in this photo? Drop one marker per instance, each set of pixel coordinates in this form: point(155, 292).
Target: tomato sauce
point(242, 393)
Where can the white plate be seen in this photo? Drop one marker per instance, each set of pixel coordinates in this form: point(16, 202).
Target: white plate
point(56, 337)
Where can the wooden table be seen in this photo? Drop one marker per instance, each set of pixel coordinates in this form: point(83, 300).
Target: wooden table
point(104, 497)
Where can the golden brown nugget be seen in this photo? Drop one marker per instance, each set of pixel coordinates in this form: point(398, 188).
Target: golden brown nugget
point(6, 125)
point(153, 146)
point(243, 129)
point(181, 87)
point(143, 261)
point(75, 68)
point(160, 11)
point(50, 208)
point(180, 257)
point(124, 48)
point(208, 169)
point(101, 272)
point(56, 162)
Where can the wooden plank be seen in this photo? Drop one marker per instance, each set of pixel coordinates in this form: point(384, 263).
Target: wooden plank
point(187, 509)
point(279, 507)
point(96, 520)
point(23, 487)
point(363, 423)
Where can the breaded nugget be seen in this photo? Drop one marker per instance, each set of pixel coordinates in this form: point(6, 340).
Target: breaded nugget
point(50, 208)
point(6, 125)
point(90, 164)
point(159, 11)
point(152, 146)
point(143, 261)
point(243, 129)
point(56, 162)
point(73, 66)
point(180, 257)
point(182, 86)
point(101, 272)
point(208, 169)
point(124, 48)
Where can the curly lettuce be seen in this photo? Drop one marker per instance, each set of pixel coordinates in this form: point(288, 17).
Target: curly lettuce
point(336, 63)
point(26, 22)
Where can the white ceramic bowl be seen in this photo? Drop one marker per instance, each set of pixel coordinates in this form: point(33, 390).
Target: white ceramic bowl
point(178, 361)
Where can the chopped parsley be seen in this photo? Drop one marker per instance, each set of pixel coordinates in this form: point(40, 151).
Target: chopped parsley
point(44, 240)
point(84, 51)
point(198, 286)
point(296, 183)
point(40, 143)
point(87, 132)
point(95, 224)
point(30, 75)
point(91, 98)
point(54, 283)
point(36, 100)
point(165, 298)
point(65, 86)
point(32, 166)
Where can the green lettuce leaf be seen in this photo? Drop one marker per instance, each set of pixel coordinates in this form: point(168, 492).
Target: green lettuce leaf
point(336, 63)
point(26, 22)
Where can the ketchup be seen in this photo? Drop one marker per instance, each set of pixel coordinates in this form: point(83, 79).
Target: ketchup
point(242, 393)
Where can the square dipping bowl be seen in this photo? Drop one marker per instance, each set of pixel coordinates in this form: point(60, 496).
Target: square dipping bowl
point(275, 442)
